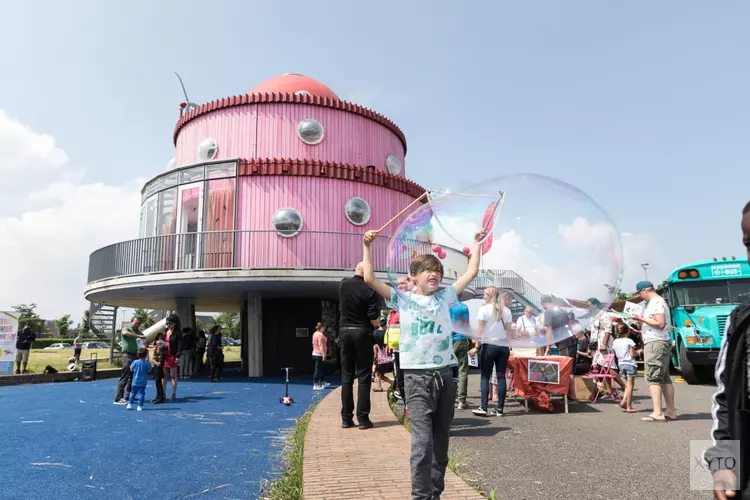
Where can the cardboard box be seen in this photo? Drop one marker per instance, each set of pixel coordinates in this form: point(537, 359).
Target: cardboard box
point(585, 387)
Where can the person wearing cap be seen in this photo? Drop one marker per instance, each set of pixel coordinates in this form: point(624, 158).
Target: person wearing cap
point(657, 351)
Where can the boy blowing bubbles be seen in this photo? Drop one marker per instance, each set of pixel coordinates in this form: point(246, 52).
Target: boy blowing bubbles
point(426, 359)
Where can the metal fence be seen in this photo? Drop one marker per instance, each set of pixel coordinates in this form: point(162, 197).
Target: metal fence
point(509, 280)
point(250, 250)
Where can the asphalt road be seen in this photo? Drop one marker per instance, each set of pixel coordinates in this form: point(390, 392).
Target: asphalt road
point(593, 452)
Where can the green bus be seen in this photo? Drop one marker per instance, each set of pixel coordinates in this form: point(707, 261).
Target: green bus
point(701, 296)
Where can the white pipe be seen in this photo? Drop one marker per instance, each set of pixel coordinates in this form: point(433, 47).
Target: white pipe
point(152, 331)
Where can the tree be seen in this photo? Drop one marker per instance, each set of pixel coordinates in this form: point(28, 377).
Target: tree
point(146, 319)
point(230, 324)
point(623, 296)
point(62, 324)
point(27, 316)
point(199, 325)
point(84, 326)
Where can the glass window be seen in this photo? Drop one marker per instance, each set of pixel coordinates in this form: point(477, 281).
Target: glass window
point(219, 170)
point(149, 226)
point(287, 222)
point(191, 175)
point(219, 242)
point(393, 164)
point(170, 165)
point(207, 149)
point(357, 211)
point(310, 131)
point(220, 204)
point(167, 221)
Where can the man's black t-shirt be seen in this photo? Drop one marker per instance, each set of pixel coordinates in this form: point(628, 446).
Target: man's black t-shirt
point(557, 320)
point(358, 303)
point(24, 339)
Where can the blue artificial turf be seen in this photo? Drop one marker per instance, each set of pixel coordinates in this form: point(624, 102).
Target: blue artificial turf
point(216, 441)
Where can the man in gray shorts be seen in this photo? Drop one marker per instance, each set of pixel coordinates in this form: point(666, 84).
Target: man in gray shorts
point(657, 351)
point(24, 339)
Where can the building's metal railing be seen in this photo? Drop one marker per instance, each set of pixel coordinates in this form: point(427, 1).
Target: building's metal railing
point(508, 280)
point(262, 249)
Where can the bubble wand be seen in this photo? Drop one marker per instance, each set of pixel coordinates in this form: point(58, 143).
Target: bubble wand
point(402, 212)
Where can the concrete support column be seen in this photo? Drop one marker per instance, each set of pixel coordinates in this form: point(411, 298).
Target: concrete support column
point(253, 318)
point(185, 309)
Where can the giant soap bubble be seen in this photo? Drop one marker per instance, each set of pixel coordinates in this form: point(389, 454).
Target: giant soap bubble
point(545, 241)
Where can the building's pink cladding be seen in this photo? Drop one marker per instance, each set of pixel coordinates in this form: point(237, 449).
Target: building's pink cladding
point(270, 131)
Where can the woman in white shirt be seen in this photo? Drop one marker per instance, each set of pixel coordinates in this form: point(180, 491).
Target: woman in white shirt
point(494, 321)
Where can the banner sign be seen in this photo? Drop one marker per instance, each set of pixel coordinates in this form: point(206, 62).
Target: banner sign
point(8, 332)
point(722, 270)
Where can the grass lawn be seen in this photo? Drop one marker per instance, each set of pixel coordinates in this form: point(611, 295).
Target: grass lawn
point(58, 358)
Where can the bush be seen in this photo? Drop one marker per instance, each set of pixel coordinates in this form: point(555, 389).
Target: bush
point(46, 342)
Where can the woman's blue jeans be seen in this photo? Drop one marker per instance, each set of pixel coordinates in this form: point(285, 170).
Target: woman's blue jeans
point(497, 356)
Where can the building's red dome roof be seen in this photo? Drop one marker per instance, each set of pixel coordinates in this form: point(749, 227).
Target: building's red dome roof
point(292, 83)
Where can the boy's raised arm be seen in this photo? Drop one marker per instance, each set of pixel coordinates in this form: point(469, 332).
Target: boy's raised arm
point(473, 269)
point(369, 273)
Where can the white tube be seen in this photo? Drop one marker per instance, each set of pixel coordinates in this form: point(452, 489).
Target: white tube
point(152, 331)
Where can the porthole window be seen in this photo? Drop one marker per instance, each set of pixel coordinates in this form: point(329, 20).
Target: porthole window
point(287, 222)
point(207, 149)
point(310, 131)
point(393, 164)
point(170, 165)
point(302, 92)
point(357, 211)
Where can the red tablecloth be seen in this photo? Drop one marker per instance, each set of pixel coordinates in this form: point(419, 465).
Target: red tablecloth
point(540, 391)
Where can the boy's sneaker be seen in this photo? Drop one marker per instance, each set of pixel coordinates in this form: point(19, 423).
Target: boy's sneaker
point(318, 388)
point(140, 408)
point(326, 384)
point(120, 402)
point(129, 407)
point(480, 411)
point(495, 413)
point(462, 406)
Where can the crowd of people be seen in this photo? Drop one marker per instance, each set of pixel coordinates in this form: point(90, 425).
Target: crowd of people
point(178, 353)
point(430, 366)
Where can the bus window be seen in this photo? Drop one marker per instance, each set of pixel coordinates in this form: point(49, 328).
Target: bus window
point(739, 290)
point(701, 292)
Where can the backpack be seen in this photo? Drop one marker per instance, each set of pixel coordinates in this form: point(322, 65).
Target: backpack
point(392, 336)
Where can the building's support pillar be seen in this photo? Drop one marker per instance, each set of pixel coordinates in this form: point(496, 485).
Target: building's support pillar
point(185, 310)
point(252, 343)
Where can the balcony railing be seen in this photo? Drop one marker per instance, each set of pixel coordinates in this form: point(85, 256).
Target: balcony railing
point(509, 280)
point(249, 250)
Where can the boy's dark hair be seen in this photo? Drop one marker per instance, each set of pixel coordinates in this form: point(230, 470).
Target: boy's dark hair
point(746, 210)
point(422, 263)
point(142, 353)
point(383, 322)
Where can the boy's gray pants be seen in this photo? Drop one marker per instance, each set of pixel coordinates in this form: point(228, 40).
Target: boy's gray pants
point(430, 398)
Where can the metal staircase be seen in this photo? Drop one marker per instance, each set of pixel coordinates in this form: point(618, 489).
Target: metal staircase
point(102, 322)
point(524, 294)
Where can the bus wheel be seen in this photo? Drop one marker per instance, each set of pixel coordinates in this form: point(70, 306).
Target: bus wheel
point(689, 373)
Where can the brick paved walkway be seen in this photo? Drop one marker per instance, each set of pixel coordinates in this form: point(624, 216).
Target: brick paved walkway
point(344, 464)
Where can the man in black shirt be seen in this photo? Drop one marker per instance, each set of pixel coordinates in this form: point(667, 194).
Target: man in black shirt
point(24, 339)
point(359, 307)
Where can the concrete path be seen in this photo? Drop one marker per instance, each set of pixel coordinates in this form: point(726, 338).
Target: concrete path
point(354, 464)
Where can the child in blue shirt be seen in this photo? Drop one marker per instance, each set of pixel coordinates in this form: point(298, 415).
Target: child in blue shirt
point(140, 368)
point(426, 357)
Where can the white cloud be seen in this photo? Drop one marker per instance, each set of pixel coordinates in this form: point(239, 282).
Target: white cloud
point(45, 249)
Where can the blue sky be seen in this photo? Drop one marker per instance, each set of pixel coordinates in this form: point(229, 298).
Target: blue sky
point(643, 105)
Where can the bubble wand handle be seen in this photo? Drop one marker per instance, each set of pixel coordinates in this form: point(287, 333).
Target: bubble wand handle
point(402, 212)
point(499, 203)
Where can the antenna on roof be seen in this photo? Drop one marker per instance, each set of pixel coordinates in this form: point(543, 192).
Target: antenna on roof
point(186, 104)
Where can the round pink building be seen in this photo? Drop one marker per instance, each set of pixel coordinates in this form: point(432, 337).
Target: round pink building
point(261, 211)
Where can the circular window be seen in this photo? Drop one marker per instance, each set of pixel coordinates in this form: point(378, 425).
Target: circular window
point(287, 222)
point(207, 149)
point(170, 165)
point(393, 164)
point(357, 211)
point(310, 131)
point(302, 92)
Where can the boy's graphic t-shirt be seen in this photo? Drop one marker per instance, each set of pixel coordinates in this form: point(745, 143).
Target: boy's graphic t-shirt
point(425, 340)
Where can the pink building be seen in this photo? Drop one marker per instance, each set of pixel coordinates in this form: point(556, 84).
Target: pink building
point(262, 210)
